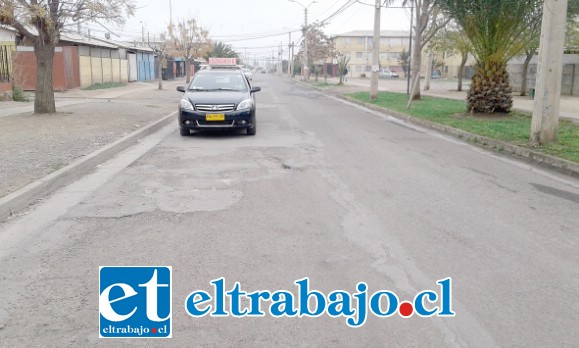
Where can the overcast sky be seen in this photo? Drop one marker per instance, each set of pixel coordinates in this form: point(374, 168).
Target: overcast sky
point(267, 21)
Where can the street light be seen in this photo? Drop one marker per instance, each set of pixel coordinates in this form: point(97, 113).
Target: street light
point(305, 65)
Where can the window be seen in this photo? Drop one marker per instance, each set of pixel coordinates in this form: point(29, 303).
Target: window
point(360, 40)
point(359, 55)
point(394, 55)
point(358, 68)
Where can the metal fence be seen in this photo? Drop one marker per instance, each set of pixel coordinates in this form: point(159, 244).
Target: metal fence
point(5, 64)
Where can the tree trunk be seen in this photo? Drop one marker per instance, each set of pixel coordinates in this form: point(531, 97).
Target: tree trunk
point(188, 70)
point(417, 52)
point(490, 90)
point(44, 95)
point(428, 71)
point(415, 70)
point(461, 69)
point(528, 58)
point(160, 72)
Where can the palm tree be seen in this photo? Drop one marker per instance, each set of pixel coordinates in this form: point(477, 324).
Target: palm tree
point(497, 30)
point(222, 50)
point(342, 66)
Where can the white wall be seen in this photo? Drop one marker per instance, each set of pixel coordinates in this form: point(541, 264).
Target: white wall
point(7, 35)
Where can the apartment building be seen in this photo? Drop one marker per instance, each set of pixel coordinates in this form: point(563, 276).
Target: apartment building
point(358, 46)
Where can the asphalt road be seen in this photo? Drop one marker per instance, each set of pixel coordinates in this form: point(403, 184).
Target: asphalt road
point(325, 190)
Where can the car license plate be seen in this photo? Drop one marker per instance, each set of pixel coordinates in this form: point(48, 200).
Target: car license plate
point(214, 117)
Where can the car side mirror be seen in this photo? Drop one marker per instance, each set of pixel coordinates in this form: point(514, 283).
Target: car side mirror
point(255, 89)
point(181, 88)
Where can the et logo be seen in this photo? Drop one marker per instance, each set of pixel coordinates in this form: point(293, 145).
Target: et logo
point(135, 302)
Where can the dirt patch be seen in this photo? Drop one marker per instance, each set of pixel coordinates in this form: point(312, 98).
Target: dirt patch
point(32, 146)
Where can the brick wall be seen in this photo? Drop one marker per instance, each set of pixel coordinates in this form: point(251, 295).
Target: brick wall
point(5, 91)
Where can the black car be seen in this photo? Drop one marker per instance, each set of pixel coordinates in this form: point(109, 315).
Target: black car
point(217, 100)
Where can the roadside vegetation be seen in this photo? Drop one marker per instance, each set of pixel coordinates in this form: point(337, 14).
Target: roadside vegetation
point(19, 95)
point(513, 128)
point(105, 85)
point(323, 85)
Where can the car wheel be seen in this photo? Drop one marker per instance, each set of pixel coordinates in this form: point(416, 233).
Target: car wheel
point(184, 131)
point(252, 130)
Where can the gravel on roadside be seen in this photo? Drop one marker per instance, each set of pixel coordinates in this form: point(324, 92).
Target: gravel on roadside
point(33, 146)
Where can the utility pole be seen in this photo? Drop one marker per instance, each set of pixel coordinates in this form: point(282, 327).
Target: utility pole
point(289, 56)
point(545, 121)
point(375, 52)
point(292, 54)
point(78, 7)
point(143, 33)
point(409, 52)
point(170, 15)
point(305, 65)
point(280, 59)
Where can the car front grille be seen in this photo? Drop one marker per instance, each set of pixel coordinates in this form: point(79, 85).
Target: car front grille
point(214, 107)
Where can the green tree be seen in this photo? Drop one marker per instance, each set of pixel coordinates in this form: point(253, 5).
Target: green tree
point(41, 22)
point(452, 41)
point(572, 33)
point(404, 61)
point(222, 50)
point(342, 65)
point(497, 31)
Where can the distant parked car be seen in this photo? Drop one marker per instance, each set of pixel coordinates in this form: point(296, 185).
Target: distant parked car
point(436, 74)
point(248, 74)
point(387, 74)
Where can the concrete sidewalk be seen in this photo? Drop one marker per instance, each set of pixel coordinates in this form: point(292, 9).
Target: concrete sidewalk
point(79, 96)
point(568, 108)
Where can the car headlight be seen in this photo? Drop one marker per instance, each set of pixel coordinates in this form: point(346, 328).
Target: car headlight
point(186, 105)
point(246, 104)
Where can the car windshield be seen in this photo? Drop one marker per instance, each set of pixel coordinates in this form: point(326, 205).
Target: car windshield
point(217, 82)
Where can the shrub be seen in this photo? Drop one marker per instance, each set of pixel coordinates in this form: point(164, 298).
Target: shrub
point(18, 94)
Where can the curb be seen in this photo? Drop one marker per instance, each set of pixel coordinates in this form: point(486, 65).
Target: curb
point(27, 195)
point(564, 166)
point(559, 164)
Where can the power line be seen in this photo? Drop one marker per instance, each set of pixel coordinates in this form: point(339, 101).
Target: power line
point(339, 11)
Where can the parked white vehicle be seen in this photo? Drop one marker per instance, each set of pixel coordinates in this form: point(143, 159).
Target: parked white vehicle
point(387, 74)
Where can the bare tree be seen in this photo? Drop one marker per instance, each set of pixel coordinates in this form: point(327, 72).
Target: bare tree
point(161, 49)
point(191, 41)
point(42, 21)
point(428, 19)
point(320, 46)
